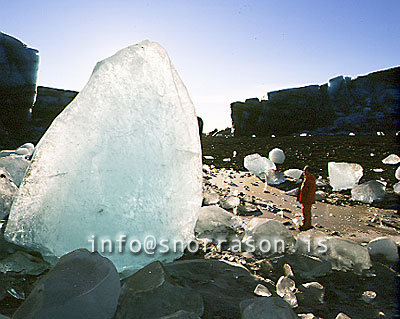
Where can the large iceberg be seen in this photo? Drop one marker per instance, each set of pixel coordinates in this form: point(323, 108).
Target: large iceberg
point(344, 175)
point(119, 169)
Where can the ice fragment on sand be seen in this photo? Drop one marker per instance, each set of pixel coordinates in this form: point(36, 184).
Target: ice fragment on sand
point(285, 288)
point(115, 164)
point(262, 291)
point(384, 246)
point(344, 175)
point(275, 307)
point(210, 198)
point(230, 202)
point(81, 285)
point(391, 159)
point(369, 192)
point(343, 254)
point(268, 237)
point(214, 219)
point(277, 156)
point(293, 173)
point(257, 164)
point(275, 177)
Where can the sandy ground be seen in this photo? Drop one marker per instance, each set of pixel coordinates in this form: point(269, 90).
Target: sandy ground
point(358, 223)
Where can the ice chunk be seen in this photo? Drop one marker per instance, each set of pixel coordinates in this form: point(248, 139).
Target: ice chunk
point(268, 236)
point(391, 159)
point(397, 174)
point(275, 177)
point(343, 254)
point(293, 173)
point(344, 175)
point(277, 156)
point(7, 192)
point(368, 296)
point(230, 202)
point(369, 192)
point(384, 246)
point(257, 164)
point(114, 164)
point(81, 285)
point(208, 157)
point(259, 308)
point(210, 198)
point(285, 288)
point(214, 219)
point(396, 188)
point(16, 165)
point(262, 291)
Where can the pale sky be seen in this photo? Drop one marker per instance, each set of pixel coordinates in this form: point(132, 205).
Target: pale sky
point(224, 50)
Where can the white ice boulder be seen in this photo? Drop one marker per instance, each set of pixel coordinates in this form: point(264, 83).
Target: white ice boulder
point(384, 246)
point(123, 159)
point(343, 254)
point(294, 173)
point(392, 159)
point(258, 164)
point(397, 174)
point(344, 175)
point(369, 192)
point(277, 156)
point(267, 236)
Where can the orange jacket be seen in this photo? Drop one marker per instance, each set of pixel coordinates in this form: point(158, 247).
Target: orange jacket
point(307, 190)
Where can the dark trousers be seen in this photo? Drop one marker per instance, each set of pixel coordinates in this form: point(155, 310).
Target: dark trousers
point(306, 214)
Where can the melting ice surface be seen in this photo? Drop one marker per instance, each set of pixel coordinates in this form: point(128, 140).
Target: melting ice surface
point(344, 175)
point(123, 159)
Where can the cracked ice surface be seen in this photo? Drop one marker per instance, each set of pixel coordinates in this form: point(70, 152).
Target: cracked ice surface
point(123, 158)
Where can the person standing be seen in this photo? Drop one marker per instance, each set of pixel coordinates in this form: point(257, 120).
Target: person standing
point(307, 197)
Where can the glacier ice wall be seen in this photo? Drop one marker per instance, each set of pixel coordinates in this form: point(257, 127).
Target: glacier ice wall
point(123, 159)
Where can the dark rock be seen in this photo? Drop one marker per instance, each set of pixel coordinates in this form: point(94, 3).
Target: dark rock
point(152, 293)
point(222, 285)
point(81, 285)
point(265, 308)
